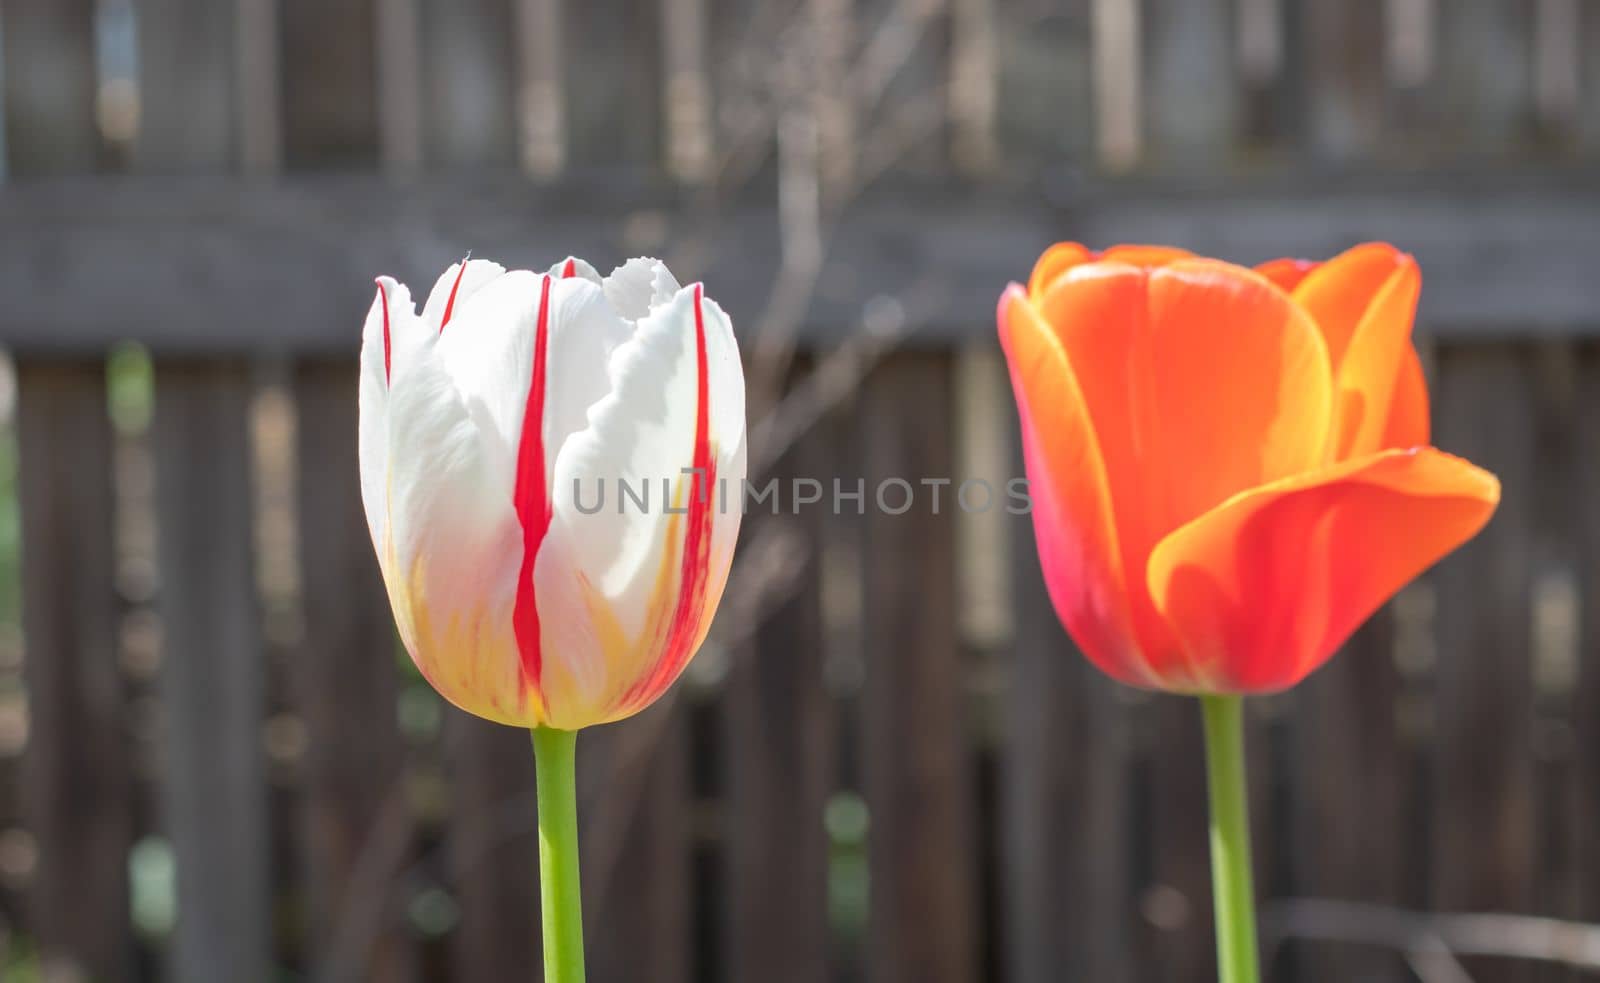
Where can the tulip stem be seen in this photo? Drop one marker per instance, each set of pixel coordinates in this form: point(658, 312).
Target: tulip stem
point(560, 899)
point(1233, 891)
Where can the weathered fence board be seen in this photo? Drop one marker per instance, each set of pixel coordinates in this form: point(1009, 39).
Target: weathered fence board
point(777, 762)
point(356, 826)
point(49, 94)
point(1483, 843)
point(923, 924)
point(637, 826)
point(212, 683)
point(1191, 94)
point(493, 846)
point(467, 79)
point(1351, 793)
point(1175, 937)
point(174, 264)
point(329, 77)
point(1345, 84)
point(78, 784)
point(1586, 694)
point(1069, 899)
point(187, 87)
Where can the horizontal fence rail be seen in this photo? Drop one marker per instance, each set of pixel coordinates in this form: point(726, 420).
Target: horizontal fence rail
point(229, 267)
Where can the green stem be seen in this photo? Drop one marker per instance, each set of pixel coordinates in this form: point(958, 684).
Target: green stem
point(561, 901)
point(1231, 882)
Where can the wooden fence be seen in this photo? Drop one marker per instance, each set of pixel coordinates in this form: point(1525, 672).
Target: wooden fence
point(214, 763)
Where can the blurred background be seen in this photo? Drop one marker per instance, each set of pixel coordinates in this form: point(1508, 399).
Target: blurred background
point(888, 765)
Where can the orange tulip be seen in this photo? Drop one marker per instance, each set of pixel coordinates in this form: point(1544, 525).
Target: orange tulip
point(1229, 468)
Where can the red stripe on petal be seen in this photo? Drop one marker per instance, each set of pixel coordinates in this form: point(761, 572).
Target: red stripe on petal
point(383, 298)
point(683, 631)
point(450, 303)
point(532, 500)
point(570, 270)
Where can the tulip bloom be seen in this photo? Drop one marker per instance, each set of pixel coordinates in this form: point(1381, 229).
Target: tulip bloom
point(483, 417)
point(1230, 472)
point(1229, 468)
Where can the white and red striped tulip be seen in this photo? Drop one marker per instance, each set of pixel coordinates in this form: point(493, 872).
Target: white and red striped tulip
point(481, 418)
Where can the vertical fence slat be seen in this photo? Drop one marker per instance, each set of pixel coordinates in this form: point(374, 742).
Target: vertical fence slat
point(492, 842)
point(541, 112)
point(186, 81)
point(974, 84)
point(1350, 791)
point(1586, 768)
point(613, 90)
point(49, 86)
point(1483, 822)
point(1341, 49)
point(467, 83)
point(330, 73)
point(212, 685)
point(396, 53)
point(777, 756)
point(1175, 900)
point(1588, 123)
point(354, 818)
point(493, 849)
point(1192, 92)
point(1045, 109)
point(686, 90)
point(78, 794)
point(923, 921)
point(1485, 79)
point(633, 781)
point(1068, 906)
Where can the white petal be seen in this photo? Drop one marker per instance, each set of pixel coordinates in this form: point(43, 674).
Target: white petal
point(453, 550)
point(640, 285)
point(642, 434)
point(489, 351)
point(478, 273)
point(389, 341)
point(572, 266)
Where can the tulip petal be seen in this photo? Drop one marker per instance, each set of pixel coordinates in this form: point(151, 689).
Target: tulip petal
point(1072, 512)
point(1263, 589)
point(1408, 412)
point(637, 584)
point(449, 558)
point(1338, 292)
point(454, 286)
point(1370, 371)
point(571, 267)
point(490, 354)
point(1063, 256)
point(392, 333)
point(1055, 261)
point(1287, 272)
point(1201, 379)
point(1146, 256)
point(639, 286)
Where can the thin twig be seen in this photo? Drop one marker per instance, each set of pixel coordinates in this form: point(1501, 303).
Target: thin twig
point(1566, 943)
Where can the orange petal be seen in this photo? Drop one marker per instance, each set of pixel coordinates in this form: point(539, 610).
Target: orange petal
point(1071, 502)
point(1150, 256)
point(1202, 380)
point(1287, 272)
point(1337, 293)
point(1264, 589)
point(1367, 375)
point(1055, 261)
point(1408, 412)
